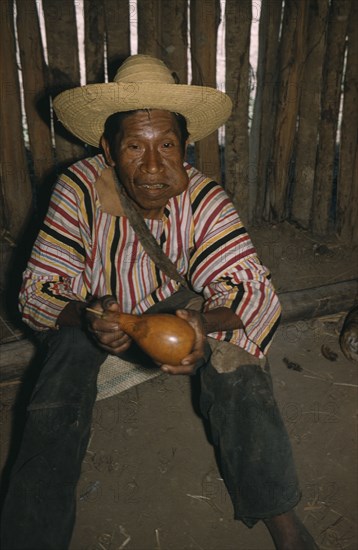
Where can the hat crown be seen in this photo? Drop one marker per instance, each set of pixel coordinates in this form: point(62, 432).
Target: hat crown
point(144, 68)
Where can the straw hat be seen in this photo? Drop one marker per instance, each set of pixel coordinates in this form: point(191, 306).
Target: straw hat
point(142, 82)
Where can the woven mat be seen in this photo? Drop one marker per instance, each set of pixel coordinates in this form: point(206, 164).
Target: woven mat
point(117, 375)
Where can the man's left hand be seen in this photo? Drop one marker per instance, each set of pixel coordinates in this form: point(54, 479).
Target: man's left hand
point(189, 362)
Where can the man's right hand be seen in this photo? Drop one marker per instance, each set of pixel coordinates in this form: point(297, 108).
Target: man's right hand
point(106, 329)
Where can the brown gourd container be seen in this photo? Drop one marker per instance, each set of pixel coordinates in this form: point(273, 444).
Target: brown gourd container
point(166, 338)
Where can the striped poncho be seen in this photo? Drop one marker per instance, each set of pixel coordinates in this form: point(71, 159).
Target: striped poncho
point(82, 251)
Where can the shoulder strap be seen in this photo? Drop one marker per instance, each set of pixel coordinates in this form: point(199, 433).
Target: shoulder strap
point(146, 238)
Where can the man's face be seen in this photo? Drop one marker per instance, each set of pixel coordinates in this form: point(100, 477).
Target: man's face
point(149, 160)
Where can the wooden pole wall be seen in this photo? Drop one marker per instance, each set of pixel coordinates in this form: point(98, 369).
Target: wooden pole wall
point(265, 106)
point(117, 13)
point(175, 37)
point(35, 85)
point(94, 40)
point(309, 114)
point(237, 47)
point(62, 47)
point(347, 193)
point(204, 22)
point(291, 58)
point(283, 169)
point(149, 27)
point(16, 194)
point(330, 102)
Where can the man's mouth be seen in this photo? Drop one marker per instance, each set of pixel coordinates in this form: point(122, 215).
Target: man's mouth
point(153, 185)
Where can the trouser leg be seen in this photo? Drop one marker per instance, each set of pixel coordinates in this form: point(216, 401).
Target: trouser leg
point(251, 440)
point(39, 509)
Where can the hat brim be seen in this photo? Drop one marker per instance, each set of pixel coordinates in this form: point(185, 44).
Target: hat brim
point(84, 110)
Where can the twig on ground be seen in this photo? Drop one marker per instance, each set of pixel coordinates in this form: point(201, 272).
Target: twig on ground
point(345, 384)
point(158, 547)
point(198, 497)
point(125, 534)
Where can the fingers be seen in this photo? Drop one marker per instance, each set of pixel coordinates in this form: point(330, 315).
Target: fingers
point(115, 347)
point(188, 365)
point(180, 369)
point(105, 329)
point(107, 302)
point(113, 340)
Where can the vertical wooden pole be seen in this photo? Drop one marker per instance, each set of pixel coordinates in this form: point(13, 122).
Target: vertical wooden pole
point(117, 29)
point(291, 56)
point(204, 22)
point(175, 37)
point(261, 142)
point(347, 192)
point(94, 40)
point(149, 27)
point(35, 84)
point(237, 45)
point(309, 114)
point(62, 48)
point(16, 196)
point(331, 94)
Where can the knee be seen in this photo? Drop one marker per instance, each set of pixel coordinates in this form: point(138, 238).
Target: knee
point(51, 421)
point(243, 393)
point(69, 336)
point(70, 365)
point(75, 344)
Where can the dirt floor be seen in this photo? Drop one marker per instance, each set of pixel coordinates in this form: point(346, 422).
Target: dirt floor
point(150, 480)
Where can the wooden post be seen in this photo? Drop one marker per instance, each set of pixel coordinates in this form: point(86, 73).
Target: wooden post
point(309, 114)
point(331, 94)
point(94, 40)
point(204, 22)
point(265, 105)
point(347, 192)
point(35, 84)
point(117, 28)
point(237, 45)
point(175, 37)
point(62, 48)
point(291, 59)
point(149, 27)
point(16, 196)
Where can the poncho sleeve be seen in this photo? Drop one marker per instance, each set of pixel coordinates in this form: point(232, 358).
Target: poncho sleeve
point(225, 268)
point(55, 271)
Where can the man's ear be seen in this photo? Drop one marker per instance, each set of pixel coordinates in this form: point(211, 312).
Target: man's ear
point(107, 152)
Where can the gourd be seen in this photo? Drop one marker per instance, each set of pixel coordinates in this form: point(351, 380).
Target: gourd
point(166, 338)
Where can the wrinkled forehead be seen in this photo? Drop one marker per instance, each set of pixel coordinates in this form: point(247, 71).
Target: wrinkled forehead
point(119, 123)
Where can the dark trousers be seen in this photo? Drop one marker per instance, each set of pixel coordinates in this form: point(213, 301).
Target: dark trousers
point(248, 432)
point(39, 510)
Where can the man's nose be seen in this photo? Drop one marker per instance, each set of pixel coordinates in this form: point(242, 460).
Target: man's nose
point(152, 162)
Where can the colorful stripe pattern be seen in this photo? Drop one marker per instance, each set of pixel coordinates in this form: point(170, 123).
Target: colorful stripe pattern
point(82, 251)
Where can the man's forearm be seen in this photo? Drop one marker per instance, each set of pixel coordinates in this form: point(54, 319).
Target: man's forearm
point(220, 319)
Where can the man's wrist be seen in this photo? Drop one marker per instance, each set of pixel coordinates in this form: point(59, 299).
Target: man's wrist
point(72, 314)
point(220, 319)
point(204, 323)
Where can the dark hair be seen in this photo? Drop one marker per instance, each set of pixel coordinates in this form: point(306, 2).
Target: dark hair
point(113, 125)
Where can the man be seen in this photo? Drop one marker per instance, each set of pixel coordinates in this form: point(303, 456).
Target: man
point(88, 252)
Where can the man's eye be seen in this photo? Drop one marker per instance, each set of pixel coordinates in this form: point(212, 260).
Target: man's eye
point(133, 146)
point(168, 144)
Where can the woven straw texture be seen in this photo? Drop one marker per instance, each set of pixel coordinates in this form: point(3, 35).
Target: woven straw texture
point(117, 375)
point(142, 82)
